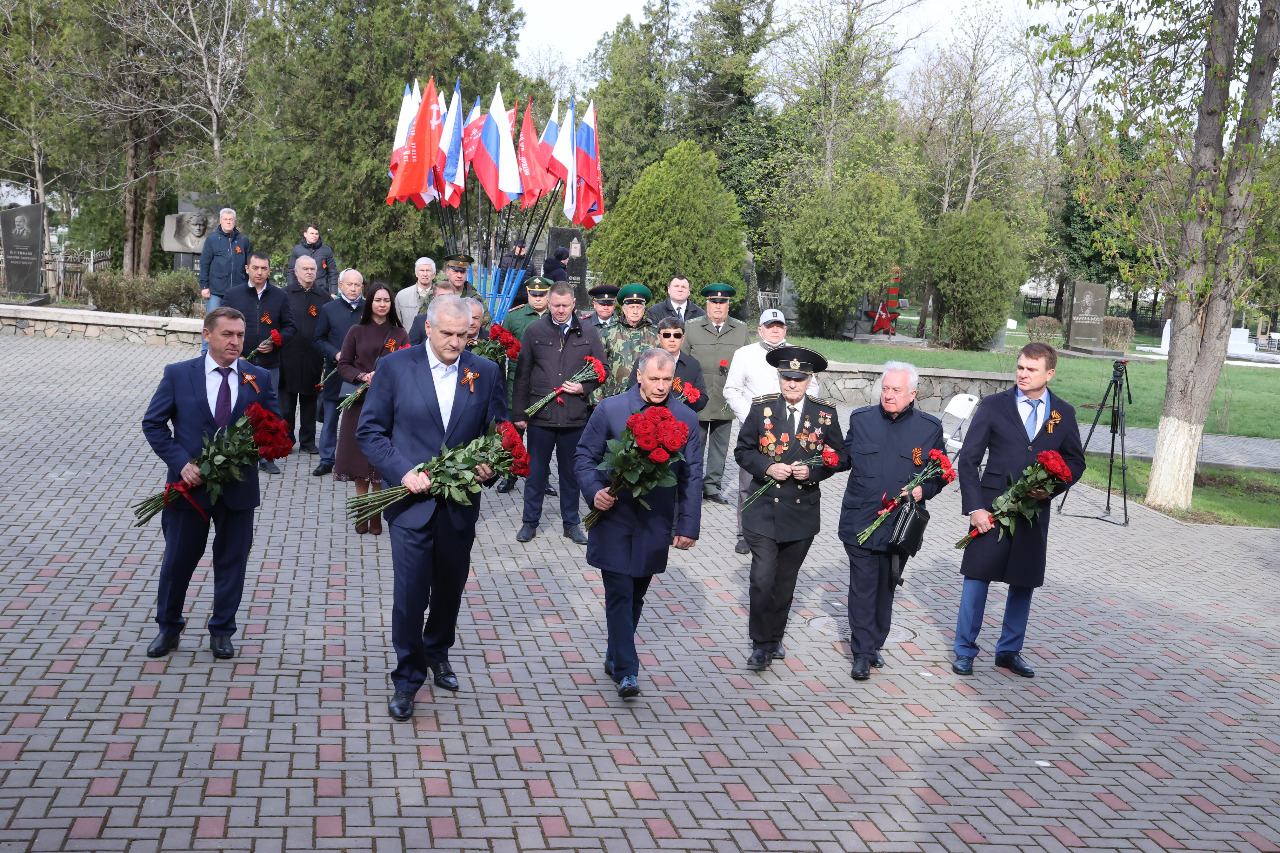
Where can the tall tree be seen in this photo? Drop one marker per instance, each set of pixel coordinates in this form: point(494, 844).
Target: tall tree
point(722, 78)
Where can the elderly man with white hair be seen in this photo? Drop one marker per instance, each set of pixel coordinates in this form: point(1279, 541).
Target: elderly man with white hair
point(412, 300)
point(887, 443)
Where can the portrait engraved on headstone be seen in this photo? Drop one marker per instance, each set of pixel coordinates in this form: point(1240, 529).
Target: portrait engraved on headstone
point(185, 231)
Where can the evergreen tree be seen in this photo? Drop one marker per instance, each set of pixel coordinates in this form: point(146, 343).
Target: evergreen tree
point(977, 266)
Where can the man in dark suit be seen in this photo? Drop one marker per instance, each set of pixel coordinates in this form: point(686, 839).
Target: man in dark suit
point(1010, 428)
point(781, 442)
point(887, 444)
point(336, 319)
point(265, 308)
point(422, 400)
point(300, 362)
point(677, 304)
point(194, 399)
point(630, 543)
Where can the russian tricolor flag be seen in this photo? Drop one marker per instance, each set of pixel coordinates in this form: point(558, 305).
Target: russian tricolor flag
point(547, 143)
point(449, 153)
point(495, 158)
point(564, 162)
point(588, 211)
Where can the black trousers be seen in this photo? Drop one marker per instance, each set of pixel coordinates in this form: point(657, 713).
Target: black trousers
point(306, 430)
point(774, 568)
point(542, 442)
point(623, 602)
point(185, 534)
point(431, 567)
point(870, 599)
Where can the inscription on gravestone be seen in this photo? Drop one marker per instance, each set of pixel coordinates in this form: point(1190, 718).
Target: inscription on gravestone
point(571, 239)
point(1088, 307)
point(22, 239)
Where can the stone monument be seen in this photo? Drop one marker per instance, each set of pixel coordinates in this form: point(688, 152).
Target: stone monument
point(571, 239)
point(1088, 307)
point(22, 240)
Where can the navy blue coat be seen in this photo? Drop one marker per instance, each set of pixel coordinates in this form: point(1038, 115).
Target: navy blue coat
point(882, 459)
point(400, 426)
point(179, 419)
point(630, 539)
point(336, 319)
point(261, 316)
point(997, 431)
point(223, 260)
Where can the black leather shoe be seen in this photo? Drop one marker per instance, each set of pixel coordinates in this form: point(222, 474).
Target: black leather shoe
point(628, 687)
point(716, 499)
point(322, 469)
point(759, 660)
point(310, 448)
point(574, 532)
point(1015, 664)
point(401, 705)
point(506, 485)
point(861, 668)
point(162, 645)
point(268, 467)
point(780, 652)
point(444, 676)
point(551, 491)
point(742, 547)
point(527, 532)
point(220, 645)
point(962, 666)
point(877, 662)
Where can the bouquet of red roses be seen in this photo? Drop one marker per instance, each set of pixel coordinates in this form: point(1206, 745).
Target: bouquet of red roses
point(827, 457)
point(354, 397)
point(500, 344)
point(1046, 473)
point(592, 370)
point(276, 341)
point(258, 435)
point(640, 459)
point(938, 464)
point(453, 472)
point(687, 392)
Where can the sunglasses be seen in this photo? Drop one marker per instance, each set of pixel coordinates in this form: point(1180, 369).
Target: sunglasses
point(717, 300)
point(676, 335)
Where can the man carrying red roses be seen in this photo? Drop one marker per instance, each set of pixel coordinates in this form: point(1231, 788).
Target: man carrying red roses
point(1010, 428)
point(630, 543)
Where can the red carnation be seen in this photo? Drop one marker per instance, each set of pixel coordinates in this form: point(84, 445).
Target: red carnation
point(276, 340)
point(692, 394)
point(1054, 464)
point(597, 367)
point(724, 363)
point(829, 457)
point(659, 455)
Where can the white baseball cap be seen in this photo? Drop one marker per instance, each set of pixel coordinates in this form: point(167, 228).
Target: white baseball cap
point(772, 315)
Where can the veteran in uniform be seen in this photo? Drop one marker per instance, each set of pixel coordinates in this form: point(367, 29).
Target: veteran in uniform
point(887, 444)
point(711, 340)
point(625, 339)
point(783, 442)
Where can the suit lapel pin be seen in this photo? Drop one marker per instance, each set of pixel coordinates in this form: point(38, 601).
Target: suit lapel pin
point(1054, 418)
point(248, 380)
point(469, 378)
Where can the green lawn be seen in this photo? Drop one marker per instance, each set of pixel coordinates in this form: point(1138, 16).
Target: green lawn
point(1247, 401)
point(1248, 498)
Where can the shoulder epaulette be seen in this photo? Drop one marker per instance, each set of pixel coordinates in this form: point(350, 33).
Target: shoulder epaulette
point(820, 401)
point(764, 398)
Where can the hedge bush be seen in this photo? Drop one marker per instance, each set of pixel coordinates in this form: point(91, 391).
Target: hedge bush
point(1046, 330)
point(1117, 333)
point(166, 294)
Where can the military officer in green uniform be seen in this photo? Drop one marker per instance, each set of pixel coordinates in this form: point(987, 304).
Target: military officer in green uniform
point(517, 321)
point(455, 281)
point(711, 341)
point(625, 338)
point(782, 443)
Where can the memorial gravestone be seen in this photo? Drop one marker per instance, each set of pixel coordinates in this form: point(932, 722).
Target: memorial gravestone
point(571, 239)
point(22, 240)
point(1088, 307)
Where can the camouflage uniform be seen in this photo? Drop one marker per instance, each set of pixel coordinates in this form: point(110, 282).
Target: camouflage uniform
point(622, 346)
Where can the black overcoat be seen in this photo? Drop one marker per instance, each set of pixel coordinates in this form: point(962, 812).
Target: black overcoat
point(547, 360)
point(997, 431)
point(262, 316)
point(336, 319)
point(300, 361)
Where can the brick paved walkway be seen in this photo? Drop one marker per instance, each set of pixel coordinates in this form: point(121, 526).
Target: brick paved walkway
point(1221, 451)
point(1152, 723)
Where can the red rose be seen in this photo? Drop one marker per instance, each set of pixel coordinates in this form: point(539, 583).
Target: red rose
point(724, 363)
point(633, 420)
point(674, 436)
point(645, 429)
point(659, 455)
point(1054, 464)
point(647, 442)
point(495, 332)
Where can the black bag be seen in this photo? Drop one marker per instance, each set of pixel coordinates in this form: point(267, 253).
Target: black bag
point(908, 529)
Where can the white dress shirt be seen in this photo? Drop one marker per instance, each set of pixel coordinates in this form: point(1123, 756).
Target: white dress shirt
point(1024, 409)
point(445, 377)
point(213, 382)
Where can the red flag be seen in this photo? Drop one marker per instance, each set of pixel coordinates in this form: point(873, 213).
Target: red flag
point(412, 181)
point(471, 133)
point(533, 175)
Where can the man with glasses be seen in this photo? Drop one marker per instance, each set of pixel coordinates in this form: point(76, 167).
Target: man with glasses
point(688, 372)
point(711, 341)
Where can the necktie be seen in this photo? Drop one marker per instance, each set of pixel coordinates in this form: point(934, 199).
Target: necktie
point(718, 325)
point(222, 409)
point(1032, 420)
point(791, 417)
point(680, 314)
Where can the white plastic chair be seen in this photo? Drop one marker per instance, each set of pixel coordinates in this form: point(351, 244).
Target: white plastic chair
point(960, 407)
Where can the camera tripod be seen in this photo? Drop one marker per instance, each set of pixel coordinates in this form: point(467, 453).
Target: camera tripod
point(1117, 390)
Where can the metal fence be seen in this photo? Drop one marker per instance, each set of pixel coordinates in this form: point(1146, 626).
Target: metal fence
point(64, 272)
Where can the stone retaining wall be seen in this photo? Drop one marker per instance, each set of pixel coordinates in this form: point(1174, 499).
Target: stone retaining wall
point(98, 325)
point(859, 384)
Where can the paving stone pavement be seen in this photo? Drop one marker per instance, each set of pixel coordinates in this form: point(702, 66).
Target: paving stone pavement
point(1151, 723)
point(1220, 451)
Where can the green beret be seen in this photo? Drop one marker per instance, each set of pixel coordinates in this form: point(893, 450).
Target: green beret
point(718, 289)
point(634, 293)
point(538, 284)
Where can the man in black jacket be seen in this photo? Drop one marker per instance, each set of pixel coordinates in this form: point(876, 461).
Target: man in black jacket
point(677, 304)
point(300, 362)
point(887, 444)
point(222, 262)
point(336, 319)
point(266, 309)
point(326, 266)
point(553, 349)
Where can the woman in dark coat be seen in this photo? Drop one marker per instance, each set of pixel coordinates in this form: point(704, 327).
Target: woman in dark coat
point(378, 332)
